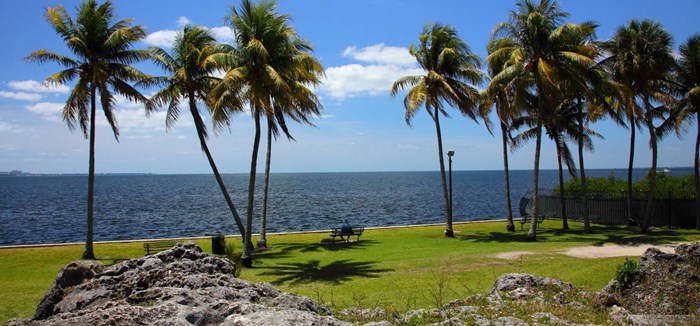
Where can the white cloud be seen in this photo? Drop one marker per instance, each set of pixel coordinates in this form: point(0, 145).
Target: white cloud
point(7, 147)
point(37, 87)
point(223, 34)
point(380, 66)
point(48, 110)
point(357, 80)
point(7, 127)
point(182, 21)
point(136, 121)
point(122, 102)
point(140, 137)
point(381, 54)
point(163, 38)
point(22, 96)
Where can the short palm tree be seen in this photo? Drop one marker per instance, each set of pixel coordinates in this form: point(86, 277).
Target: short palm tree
point(688, 76)
point(561, 126)
point(591, 104)
point(191, 79)
point(640, 61)
point(304, 106)
point(499, 96)
point(451, 74)
point(271, 69)
point(541, 52)
point(102, 67)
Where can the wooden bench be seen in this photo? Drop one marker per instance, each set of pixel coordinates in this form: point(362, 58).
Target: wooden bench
point(158, 246)
point(528, 219)
point(345, 236)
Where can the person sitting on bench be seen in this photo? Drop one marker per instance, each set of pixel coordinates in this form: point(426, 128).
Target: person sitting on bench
point(345, 230)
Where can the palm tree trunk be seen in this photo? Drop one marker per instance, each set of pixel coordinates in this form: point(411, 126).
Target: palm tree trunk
point(631, 218)
point(89, 253)
point(510, 227)
point(449, 232)
point(584, 190)
point(652, 173)
point(562, 199)
point(262, 240)
point(697, 174)
point(246, 257)
point(532, 233)
point(199, 126)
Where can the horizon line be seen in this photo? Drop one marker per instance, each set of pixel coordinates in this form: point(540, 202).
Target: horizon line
point(24, 173)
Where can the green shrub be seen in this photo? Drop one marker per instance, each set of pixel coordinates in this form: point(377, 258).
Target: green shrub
point(611, 187)
point(626, 272)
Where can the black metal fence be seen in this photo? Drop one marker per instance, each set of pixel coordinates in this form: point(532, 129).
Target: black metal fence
point(667, 210)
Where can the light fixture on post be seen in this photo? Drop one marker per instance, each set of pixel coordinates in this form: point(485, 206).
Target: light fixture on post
point(449, 156)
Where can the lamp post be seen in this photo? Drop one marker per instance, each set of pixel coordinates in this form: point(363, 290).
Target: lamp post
point(449, 156)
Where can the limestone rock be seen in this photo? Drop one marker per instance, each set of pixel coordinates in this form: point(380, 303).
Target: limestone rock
point(180, 286)
point(666, 284)
point(524, 286)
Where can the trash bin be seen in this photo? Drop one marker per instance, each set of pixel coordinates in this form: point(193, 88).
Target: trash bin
point(218, 244)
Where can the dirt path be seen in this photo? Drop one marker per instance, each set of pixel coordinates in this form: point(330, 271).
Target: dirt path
point(604, 251)
point(614, 250)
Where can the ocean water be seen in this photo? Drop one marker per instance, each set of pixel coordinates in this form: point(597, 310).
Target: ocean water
point(51, 209)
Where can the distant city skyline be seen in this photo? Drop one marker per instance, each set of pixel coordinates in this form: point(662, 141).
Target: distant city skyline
point(363, 47)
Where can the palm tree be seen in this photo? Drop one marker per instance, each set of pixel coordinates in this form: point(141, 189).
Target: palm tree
point(564, 124)
point(307, 105)
point(271, 68)
point(543, 53)
point(498, 95)
point(571, 122)
point(102, 64)
point(591, 104)
point(688, 76)
point(191, 79)
point(451, 71)
point(556, 128)
point(640, 61)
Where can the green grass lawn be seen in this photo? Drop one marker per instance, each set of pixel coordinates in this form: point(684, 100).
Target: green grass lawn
point(397, 269)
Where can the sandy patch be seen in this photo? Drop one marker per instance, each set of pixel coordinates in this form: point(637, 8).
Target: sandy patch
point(513, 254)
point(614, 250)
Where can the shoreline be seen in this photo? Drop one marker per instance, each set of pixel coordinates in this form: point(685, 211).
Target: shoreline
point(66, 244)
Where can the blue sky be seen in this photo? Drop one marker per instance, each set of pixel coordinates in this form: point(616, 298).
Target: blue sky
point(363, 47)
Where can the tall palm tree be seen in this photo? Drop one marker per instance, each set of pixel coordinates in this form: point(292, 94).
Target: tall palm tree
point(498, 95)
point(102, 65)
point(191, 78)
point(451, 73)
point(544, 52)
point(270, 67)
point(640, 61)
point(688, 76)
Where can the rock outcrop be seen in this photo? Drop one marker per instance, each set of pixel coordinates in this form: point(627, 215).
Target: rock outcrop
point(180, 286)
point(664, 291)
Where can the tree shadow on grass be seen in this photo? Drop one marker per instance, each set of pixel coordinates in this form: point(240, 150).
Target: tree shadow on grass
point(336, 272)
point(501, 237)
point(286, 250)
point(628, 236)
point(599, 236)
